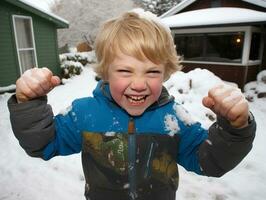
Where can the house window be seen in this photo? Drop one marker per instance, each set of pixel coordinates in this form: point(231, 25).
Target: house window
point(255, 46)
point(24, 42)
point(215, 3)
point(211, 47)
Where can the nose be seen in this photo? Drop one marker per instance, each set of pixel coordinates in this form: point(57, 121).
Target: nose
point(139, 84)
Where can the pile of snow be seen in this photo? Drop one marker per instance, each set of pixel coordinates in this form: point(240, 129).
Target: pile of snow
point(23, 177)
point(189, 89)
point(256, 89)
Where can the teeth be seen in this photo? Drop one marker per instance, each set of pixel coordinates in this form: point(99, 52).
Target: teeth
point(136, 99)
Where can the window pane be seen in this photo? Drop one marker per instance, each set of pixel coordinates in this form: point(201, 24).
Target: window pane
point(215, 3)
point(220, 47)
point(255, 46)
point(27, 60)
point(23, 31)
point(226, 47)
point(189, 46)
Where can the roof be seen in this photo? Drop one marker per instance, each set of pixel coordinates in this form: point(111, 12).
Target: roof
point(212, 17)
point(261, 3)
point(58, 21)
point(176, 9)
point(185, 3)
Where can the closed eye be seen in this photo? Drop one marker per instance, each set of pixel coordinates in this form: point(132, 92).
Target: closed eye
point(123, 71)
point(154, 72)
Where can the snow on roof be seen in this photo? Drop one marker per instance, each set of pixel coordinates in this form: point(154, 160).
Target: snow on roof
point(261, 3)
point(44, 11)
point(215, 16)
point(183, 4)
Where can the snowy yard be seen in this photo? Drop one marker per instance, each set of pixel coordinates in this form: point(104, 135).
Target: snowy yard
point(24, 178)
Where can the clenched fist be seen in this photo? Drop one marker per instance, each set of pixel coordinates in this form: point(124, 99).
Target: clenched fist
point(228, 102)
point(34, 83)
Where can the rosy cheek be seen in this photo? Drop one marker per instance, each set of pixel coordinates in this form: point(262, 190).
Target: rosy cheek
point(156, 88)
point(117, 89)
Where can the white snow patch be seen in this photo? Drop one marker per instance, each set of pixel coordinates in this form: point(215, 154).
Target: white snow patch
point(171, 124)
point(74, 116)
point(250, 86)
point(261, 77)
point(7, 88)
point(191, 87)
point(212, 16)
point(43, 7)
point(183, 115)
point(68, 63)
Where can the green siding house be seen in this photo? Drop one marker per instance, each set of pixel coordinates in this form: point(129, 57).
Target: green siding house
point(28, 38)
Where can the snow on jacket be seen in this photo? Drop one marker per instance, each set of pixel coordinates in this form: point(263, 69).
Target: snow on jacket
point(129, 154)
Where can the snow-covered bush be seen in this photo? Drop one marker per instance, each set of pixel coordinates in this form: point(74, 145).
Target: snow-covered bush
point(82, 57)
point(72, 63)
point(71, 68)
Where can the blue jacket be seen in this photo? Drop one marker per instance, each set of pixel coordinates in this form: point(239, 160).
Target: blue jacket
point(100, 114)
point(127, 153)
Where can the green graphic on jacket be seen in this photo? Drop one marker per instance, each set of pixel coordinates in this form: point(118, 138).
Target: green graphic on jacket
point(155, 156)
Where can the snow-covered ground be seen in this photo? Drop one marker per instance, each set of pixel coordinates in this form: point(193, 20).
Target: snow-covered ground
point(24, 178)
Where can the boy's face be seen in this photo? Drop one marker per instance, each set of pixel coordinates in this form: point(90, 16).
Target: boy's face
point(135, 84)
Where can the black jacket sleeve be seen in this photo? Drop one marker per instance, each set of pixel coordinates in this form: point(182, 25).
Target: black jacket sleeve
point(32, 124)
point(225, 147)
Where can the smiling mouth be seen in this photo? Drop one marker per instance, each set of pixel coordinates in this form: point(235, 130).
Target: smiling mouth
point(136, 100)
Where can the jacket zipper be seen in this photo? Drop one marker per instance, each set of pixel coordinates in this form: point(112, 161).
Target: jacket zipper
point(132, 160)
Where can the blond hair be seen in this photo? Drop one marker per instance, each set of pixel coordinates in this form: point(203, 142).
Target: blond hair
point(138, 37)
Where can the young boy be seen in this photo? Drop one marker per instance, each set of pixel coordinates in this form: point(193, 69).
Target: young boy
point(131, 133)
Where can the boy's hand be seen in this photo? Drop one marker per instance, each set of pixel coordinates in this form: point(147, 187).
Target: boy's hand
point(34, 83)
point(228, 102)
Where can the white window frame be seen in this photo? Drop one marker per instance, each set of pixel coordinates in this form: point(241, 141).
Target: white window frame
point(255, 30)
point(16, 39)
point(248, 30)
